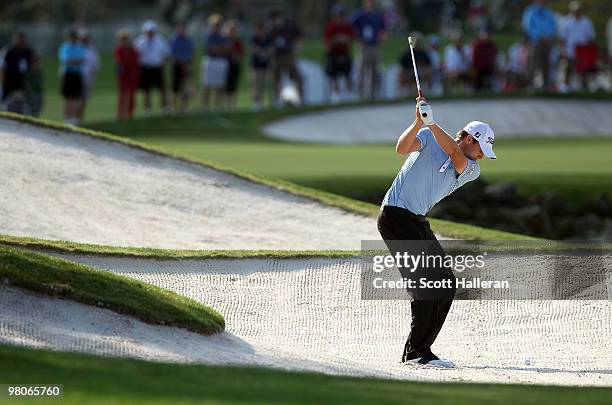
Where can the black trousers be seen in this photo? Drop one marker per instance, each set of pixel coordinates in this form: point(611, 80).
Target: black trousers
point(400, 229)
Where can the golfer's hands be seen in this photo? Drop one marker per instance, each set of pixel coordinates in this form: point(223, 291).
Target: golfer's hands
point(418, 118)
point(424, 112)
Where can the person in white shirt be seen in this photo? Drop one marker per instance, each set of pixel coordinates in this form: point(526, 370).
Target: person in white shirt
point(577, 31)
point(91, 66)
point(456, 65)
point(153, 52)
point(437, 82)
point(517, 67)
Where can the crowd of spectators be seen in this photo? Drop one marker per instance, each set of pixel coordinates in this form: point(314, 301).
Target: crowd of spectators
point(555, 53)
point(141, 64)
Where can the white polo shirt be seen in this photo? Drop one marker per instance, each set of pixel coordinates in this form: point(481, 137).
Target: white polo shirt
point(455, 60)
point(152, 52)
point(577, 31)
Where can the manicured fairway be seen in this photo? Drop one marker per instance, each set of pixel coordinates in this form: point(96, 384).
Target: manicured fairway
point(96, 380)
point(575, 168)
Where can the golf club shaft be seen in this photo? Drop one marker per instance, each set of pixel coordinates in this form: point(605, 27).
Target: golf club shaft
point(416, 73)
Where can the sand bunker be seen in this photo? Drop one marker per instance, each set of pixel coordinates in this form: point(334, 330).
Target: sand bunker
point(307, 314)
point(508, 117)
point(64, 186)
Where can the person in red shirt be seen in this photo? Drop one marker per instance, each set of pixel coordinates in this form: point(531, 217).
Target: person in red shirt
point(484, 59)
point(128, 74)
point(234, 58)
point(338, 36)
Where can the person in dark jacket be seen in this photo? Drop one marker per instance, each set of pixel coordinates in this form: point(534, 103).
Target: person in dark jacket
point(484, 59)
point(17, 61)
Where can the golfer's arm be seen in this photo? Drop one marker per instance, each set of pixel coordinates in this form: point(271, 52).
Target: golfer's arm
point(450, 147)
point(408, 141)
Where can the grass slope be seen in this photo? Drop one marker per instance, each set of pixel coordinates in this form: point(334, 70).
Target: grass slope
point(95, 380)
point(53, 276)
point(447, 228)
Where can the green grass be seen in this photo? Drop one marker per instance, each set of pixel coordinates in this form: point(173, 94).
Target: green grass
point(57, 277)
point(574, 168)
point(96, 380)
point(157, 253)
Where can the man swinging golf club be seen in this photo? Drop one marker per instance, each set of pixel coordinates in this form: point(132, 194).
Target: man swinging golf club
point(436, 166)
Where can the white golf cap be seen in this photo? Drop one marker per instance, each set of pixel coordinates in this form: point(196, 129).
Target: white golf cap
point(149, 26)
point(484, 135)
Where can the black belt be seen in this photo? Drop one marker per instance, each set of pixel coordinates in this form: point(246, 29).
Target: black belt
point(404, 211)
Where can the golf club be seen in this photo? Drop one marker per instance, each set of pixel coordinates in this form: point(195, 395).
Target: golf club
point(416, 74)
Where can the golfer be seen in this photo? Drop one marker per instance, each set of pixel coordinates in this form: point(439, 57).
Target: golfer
point(436, 166)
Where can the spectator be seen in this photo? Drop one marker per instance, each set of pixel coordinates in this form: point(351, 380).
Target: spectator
point(539, 24)
point(72, 57)
point(456, 65)
point(91, 66)
point(128, 74)
point(577, 32)
point(338, 36)
point(214, 63)
point(437, 81)
point(407, 84)
point(283, 36)
point(518, 65)
point(484, 60)
point(554, 64)
point(260, 61)
point(370, 27)
point(16, 63)
point(153, 51)
point(34, 87)
point(234, 58)
point(182, 53)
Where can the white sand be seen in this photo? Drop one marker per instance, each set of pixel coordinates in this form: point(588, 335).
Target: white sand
point(508, 117)
point(65, 186)
point(307, 314)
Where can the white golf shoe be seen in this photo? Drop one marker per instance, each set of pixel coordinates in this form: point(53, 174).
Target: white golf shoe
point(432, 360)
point(443, 363)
